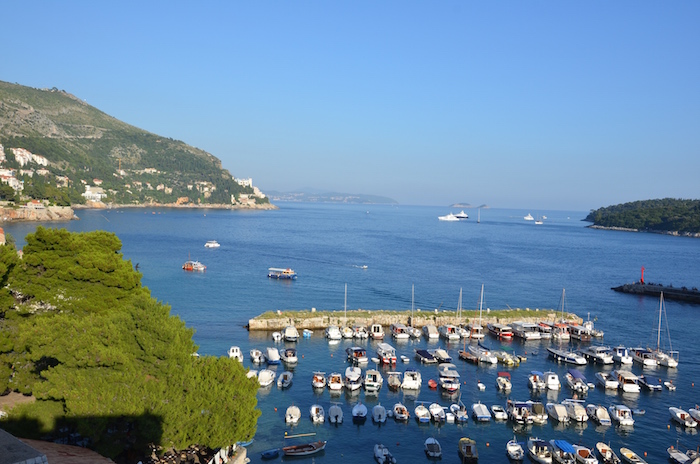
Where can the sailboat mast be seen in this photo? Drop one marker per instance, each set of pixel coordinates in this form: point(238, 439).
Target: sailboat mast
point(658, 334)
point(412, 294)
point(346, 304)
point(459, 305)
point(481, 303)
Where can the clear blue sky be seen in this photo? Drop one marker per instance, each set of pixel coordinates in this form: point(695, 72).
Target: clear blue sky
point(535, 105)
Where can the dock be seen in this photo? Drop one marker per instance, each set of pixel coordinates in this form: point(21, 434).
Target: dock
point(670, 292)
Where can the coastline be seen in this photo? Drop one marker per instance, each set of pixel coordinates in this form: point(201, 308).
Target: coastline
point(673, 233)
point(100, 205)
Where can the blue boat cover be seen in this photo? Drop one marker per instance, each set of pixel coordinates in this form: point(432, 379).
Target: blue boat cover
point(575, 373)
point(425, 354)
point(565, 446)
point(537, 373)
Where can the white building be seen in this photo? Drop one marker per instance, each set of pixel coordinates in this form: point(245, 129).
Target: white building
point(94, 193)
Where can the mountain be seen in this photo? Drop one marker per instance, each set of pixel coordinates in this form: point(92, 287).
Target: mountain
point(330, 197)
point(63, 150)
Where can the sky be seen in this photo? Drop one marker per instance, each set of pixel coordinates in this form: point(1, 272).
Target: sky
point(537, 104)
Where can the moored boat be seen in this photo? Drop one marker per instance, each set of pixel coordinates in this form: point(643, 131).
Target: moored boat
point(631, 457)
point(432, 448)
point(357, 355)
point(412, 380)
point(557, 412)
point(551, 380)
point(598, 354)
point(503, 382)
point(422, 413)
point(376, 331)
point(621, 414)
point(575, 410)
point(607, 455)
point(425, 357)
point(681, 417)
point(467, 450)
point(621, 355)
point(335, 382)
point(235, 353)
point(289, 356)
point(317, 414)
point(519, 412)
point(285, 380)
point(292, 415)
point(399, 331)
point(540, 451)
point(514, 450)
point(194, 266)
point(607, 381)
point(449, 332)
point(386, 353)
point(584, 455)
point(318, 380)
point(353, 378)
point(305, 449)
point(498, 412)
point(576, 381)
point(393, 380)
point(480, 412)
point(272, 355)
point(335, 414)
point(382, 455)
point(290, 334)
point(359, 413)
point(430, 332)
point(400, 412)
point(563, 452)
point(650, 383)
point(628, 382)
point(437, 413)
point(212, 244)
point(373, 381)
point(644, 357)
point(567, 356)
point(256, 356)
point(500, 331)
point(598, 414)
point(536, 381)
point(526, 330)
point(378, 414)
point(266, 377)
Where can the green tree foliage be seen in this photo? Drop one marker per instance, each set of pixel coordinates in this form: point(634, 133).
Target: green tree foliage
point(668, 214)
point(88, 340)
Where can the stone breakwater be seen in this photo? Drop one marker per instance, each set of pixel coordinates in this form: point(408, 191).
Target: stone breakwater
point(674, 233)
point(315, 320)
point(49, 213)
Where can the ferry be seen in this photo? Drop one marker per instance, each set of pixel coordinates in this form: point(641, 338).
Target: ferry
point(283, 274)
point(194, 266)
point(399, 331)
point(500, 331)
point(386, 353)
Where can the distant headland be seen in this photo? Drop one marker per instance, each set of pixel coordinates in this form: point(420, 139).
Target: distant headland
point(668, 216)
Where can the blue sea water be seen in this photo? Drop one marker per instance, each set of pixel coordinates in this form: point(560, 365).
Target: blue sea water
point(520, 264)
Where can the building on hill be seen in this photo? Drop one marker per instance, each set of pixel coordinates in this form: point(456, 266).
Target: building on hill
point(94, 193)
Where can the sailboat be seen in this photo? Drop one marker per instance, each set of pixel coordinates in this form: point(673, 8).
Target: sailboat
point(560, 331)
point(664, 358)
point(476, 331)
point(414, 332)
point(347, 331)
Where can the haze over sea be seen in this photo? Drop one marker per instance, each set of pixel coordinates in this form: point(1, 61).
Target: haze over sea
point(520, 264)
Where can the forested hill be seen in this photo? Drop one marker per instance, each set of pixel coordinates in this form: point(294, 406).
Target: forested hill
point(662, 215)
point(73, 145)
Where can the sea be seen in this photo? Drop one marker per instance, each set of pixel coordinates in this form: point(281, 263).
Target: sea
point(387, 253)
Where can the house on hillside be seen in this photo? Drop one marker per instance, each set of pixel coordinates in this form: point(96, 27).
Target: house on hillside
point(94, 193)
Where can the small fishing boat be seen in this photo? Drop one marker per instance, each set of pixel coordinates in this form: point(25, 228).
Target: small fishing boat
point(569, 357)
point(411, 380)
point(598, 414)
point(425, 357)
point(519, 412)
point(360, 332)
point(539, 450)
point(498, 412)
point(333, 333)
point(194, 266)
point(551, 380)
point(393, 380)
point(292, 415)
point(376, 331)
point(607, 381)
point(285, 380)
point(584, 455)
point(289, 356)
point(335, 382)
point(404, 358)
point(682, 417)
point(256, 356)
point(378, 414)
point(432, 448)
point(467, 450)
point(557, 412)
point(272, 355)
point(281, 274)
point(621, 415)
point(359, 413)
point(503, 382)
point(515, 450)
point(679, 457)
point(266, 377)
point(347, 332)
point(270, 454)
point(631, 457)
point(382, 455)
point(373, 381)
point(480, 412)
point(480, 386)
point(622, 355)
point(235, 353)
point(290, 334)
point(650, 383)
point(575, 410)
point(563, 452)
point(335, 414)
point(536, 381)
point(353, 378)
point(357, 355)
point(318, 380)
point(317, 414)
point(307, 333)
point(437, 413)
point(400, 412)
point(607, 455)
point(276, 336)
point(422, 413)
point(576, 381)
point(304, 450)
point(459, 410)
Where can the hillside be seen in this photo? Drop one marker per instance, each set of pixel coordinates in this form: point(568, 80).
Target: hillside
point(58, 147)
point(666, 215)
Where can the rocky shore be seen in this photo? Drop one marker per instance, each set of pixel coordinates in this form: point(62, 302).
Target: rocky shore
point(674, 233)
point(42, 214)
point(101, 205)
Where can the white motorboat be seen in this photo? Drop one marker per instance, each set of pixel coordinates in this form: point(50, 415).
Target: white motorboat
point(576, 381)
point(430, 332)
point(317, 414)
point(449, 377)
point(290, 334)
point(399, 331)
point(529, 217)
point(563, 452)
point(515, 450)
point(551, 380)
point(575, 410)
point(411, 380)
point(360, 332)
point(289, 356)
point(506, 358)
point(606, 453)
point(307, 333)
point(695, 413)
point(335, 382)
point(333, 333)
point(598, 414)
point(212, 244)
point(459, 410)
point(378, 414)
point(359, 413)
point(498, 412)
point(503, 382)
point(607, 381)
point(373, 381)
point(622, 355)
point(382, 455)
point(386, 353)
point(235, 353)
point(621, 414)
point(422, 413)
point(540, 451)
point(682, 417)
point(318, 380)
point(569, 357)
point(266, 377)
point(483, 354)
point(538, 412)
point(449, 332)
point(584, 455)
point(335, 414)
point(631, 457)
point(357, 355)
point(414, 332)
point(347, 332)
point(276, 336)
point(480, 412)
point(400, 412)
point(526, 330)
point(292, 415)
point(628, 382)
point(462, 215)
point(353, 378)
point(285, 380)
point(536, 381)
point(500, 330)
point(256, 356)
point(432, 448)
point(448, 217)
point(376, 331)
point(437, 413)
point(644, 357)
point(598, 354)
point(441, 355)
point(394, 380)
point(557, 412)
point(272, 355)
point(519, 412)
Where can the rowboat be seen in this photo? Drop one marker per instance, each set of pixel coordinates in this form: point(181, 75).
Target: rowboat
point(305, 449)
point(631, 457)
point(607, 455)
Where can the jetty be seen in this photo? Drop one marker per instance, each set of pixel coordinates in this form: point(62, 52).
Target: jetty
point(315, 320)
point(670, 292)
